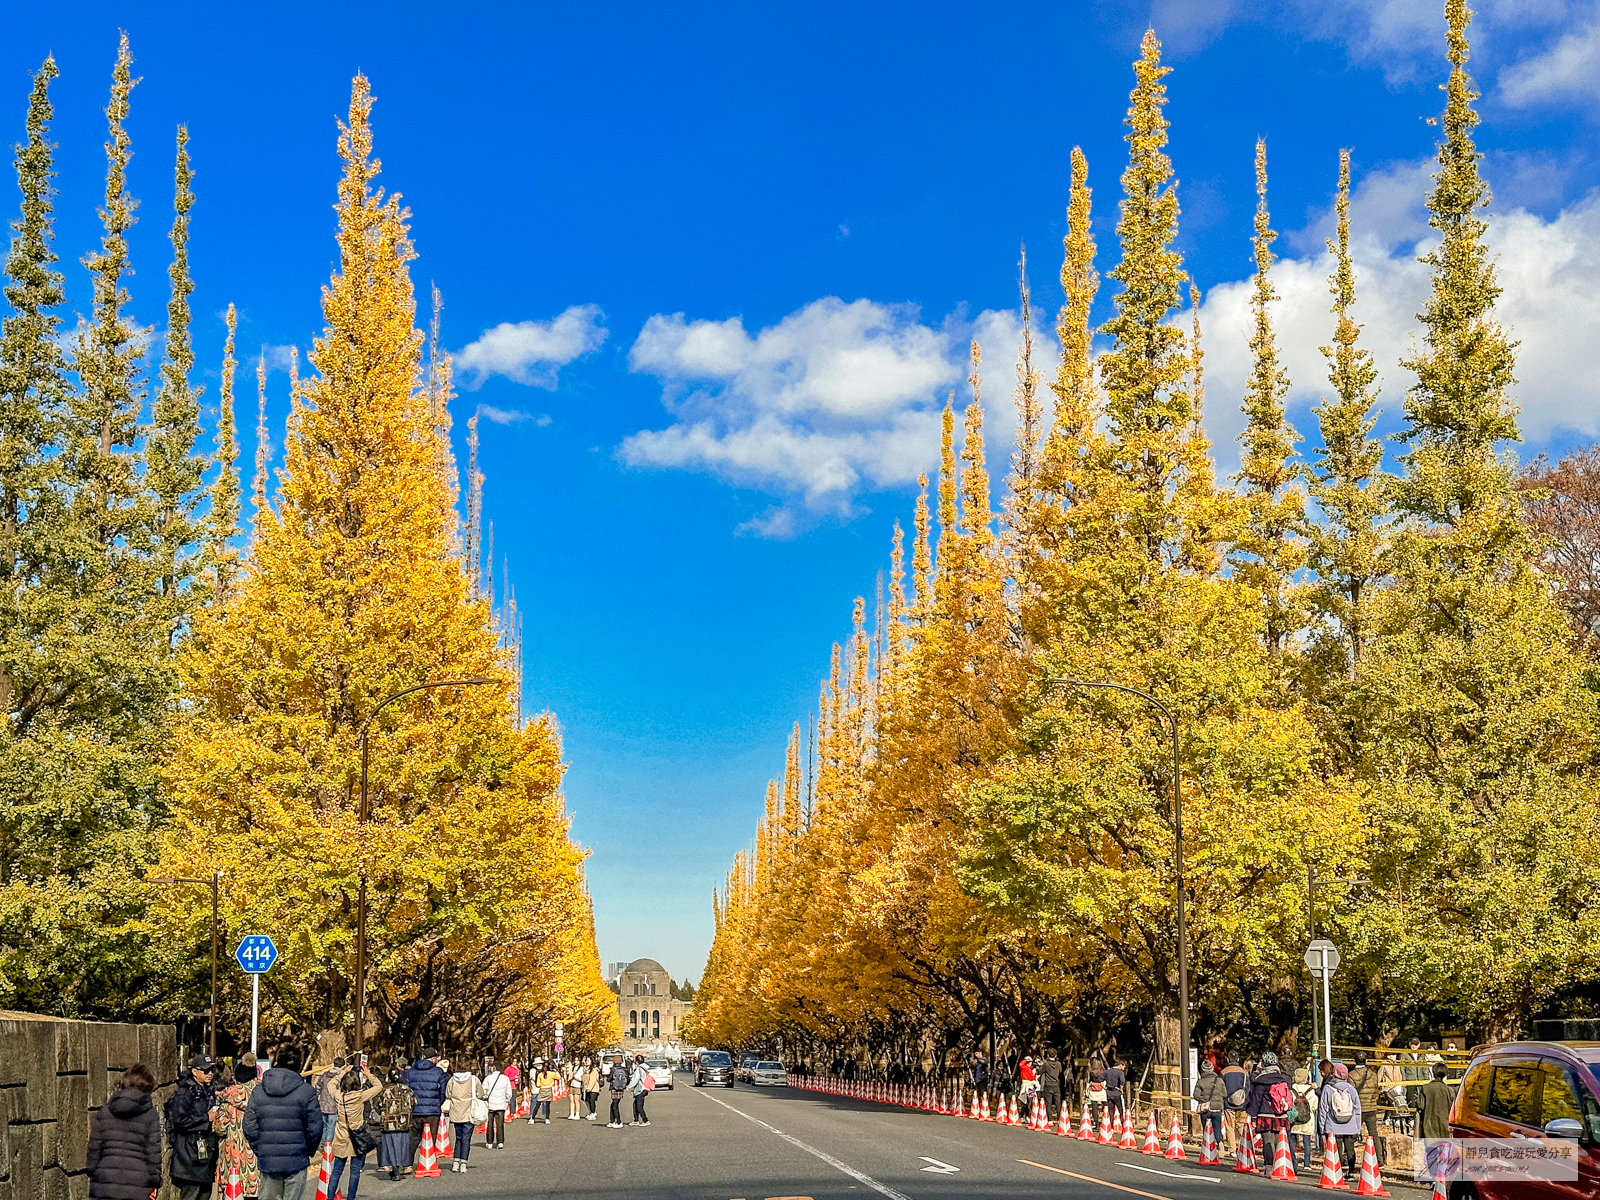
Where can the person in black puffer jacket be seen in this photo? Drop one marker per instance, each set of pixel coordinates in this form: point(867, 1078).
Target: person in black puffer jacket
point(125, 1141)
point(283, 1124)
point(194, 1143)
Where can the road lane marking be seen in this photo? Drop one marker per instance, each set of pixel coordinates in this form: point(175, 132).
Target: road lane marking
point(882, 1189)
point(938, 1168)
point(1168, 1174)
point(1091, 1179)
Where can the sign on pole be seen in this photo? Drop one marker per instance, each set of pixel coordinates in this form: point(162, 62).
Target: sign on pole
point(255, 957)
point(1322, 957)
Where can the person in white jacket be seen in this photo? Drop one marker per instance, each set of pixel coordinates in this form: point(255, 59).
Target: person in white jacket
point(498, 1094)
point(636, 1085)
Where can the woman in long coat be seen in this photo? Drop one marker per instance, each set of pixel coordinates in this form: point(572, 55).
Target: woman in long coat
point(350, 1093)
point(125, 1141)
point(228, 1120)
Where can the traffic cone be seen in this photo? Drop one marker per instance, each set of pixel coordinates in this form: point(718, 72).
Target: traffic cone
point(1282, 1164)
point(1107, 1123)
point(324, 1170)
point(427, 1156)
point(1209, 1157)
point(1064, 1124)
point(973, 1115)
point(1244, 1158)
point(1085, 1133)
point(1041, 1113)
point(1175, 1148)
point(444, 1147)
point(1439, 1190)
point(1152, 1139)
point(1332, 1173)
point(234, 1189)
point(1127, 1140)
point(1011, 1112)
point(1371, 1174)
point(983, 1112)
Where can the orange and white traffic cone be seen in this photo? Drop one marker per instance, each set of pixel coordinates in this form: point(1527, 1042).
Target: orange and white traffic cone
point(325, 1170)
point(1152, 1137)
point(974, 1114)
point(1209, 1156)
point(1127, 1141)
point(1371, 1174)
point(983, 1111)
point(1085, 1132)
point(1440, 1192)
point(233, 1190)
point(1332, 1172)
point(1244, 1157)
point(427, 1156)
point(1064, 1123)
point(446, 1150)
point(1175, 1148)
point(1011, 1113)
point(1282, 1163)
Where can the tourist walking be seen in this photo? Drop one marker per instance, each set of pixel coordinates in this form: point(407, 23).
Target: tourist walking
point(1210, 1094)
point(1339, 1113)
point(545, 1081)
point(640, 1081)
point(283, 1124)
point(1364, 1078)
point(1236, 1094)
point(426, 1079)
point(574, 1077)
point(463, 1095)
point(353, 1138)
point(1116, 1084)
point(498, 1094)
point(1270, 1104)
point(125, 1141)
point(227, 1119)
point(1095, 1097)
point(394, 1150)
point(1303, 1128)
point(618, 1079)
point(1050, 1084)
point(193, 1166)
point(591, 1085)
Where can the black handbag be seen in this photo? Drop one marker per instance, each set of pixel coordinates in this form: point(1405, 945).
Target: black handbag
point(362, 1141)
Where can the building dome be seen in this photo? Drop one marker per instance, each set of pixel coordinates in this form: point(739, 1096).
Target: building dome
point(644, 965)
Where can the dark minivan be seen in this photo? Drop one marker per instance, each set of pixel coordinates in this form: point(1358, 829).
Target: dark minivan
point(715, 1066)
point(1518, 1090)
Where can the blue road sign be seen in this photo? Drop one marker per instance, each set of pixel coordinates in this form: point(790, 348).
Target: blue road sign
point(256, 954)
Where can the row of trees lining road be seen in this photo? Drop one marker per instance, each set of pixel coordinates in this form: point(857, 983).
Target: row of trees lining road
point(1372, 676)
point(177, 705)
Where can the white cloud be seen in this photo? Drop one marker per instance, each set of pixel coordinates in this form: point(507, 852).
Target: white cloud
point(834, 400)
point(533, 352)
point(1568, 70)
point(511, 416)
point(1549, 270)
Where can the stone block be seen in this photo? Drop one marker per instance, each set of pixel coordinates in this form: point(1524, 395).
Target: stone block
point(94, 1041)
point(5, 1158)
point(53, 1184)
point(122, 1047)
point(72, 1121)
point(158, 1050)
point(78, 1187)
point(27, 1049)
point(14, 1105)
point(49, 1141)
point(72, 1047)
point(26, 1149)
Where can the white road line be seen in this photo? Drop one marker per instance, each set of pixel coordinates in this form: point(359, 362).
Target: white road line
point(833, 1162)
point(1169, 1174)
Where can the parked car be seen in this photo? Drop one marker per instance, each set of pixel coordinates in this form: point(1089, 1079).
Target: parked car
point(715, 1067)
point(1516, 1090)
point(769, 1074)
point(661, 1071)
point(747, 1062)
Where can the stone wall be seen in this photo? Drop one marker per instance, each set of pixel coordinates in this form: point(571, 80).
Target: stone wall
point(53, 1075)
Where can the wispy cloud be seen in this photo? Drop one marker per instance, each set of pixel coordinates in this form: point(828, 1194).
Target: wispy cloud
point(533, 352)
point(511, 416)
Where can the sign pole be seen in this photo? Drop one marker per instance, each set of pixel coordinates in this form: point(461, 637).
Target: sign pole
point(255, 1010)
point(1327, 1009)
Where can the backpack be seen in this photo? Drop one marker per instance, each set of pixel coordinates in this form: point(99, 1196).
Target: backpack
point(1237, 1098)
point(1340, 1105)
point(1282, 1098)
point(1302, 1108)
point(619, 1077)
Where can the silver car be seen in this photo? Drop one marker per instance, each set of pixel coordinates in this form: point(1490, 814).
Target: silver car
point(769, 1074)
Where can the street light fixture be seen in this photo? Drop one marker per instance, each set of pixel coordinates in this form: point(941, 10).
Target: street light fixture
point(1177, 827)
point(213, 884)
point(361, 818)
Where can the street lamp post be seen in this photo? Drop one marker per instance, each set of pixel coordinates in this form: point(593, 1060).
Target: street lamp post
point(361, 818)
point(1177, 857)
point(212, 883)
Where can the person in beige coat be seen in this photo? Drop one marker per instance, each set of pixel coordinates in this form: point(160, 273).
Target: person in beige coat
point(464, 1088)
point(350, 1093)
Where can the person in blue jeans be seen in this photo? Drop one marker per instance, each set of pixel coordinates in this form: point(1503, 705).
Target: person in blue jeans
point(350, 1096)
point(1210, 1094)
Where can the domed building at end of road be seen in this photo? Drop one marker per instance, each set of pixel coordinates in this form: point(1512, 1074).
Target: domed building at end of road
point(644, 1002)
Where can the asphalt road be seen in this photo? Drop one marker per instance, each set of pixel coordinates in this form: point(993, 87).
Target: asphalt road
point(763, 1143)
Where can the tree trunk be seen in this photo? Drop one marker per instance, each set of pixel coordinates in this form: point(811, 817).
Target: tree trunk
point(1165, 1079)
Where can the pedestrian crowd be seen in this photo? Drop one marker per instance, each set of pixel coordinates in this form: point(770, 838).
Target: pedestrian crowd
point(269, 1127)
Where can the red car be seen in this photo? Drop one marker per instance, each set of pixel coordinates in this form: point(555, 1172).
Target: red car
point(1517, 1090)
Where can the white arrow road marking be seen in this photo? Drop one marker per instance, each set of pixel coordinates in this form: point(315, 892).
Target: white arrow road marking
point(938, 1168)
point(1168, 1174)
point(833, 1162)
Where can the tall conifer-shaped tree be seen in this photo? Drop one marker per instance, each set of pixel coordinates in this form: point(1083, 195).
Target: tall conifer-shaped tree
point(355, 591)
point(1269, 551)
point(222, 518)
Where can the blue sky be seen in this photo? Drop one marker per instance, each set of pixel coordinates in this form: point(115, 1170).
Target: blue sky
point(710, 269)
